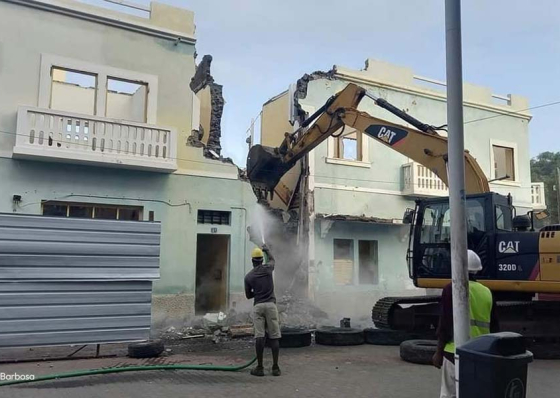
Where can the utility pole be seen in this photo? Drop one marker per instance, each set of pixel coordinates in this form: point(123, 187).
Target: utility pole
point(456, 156)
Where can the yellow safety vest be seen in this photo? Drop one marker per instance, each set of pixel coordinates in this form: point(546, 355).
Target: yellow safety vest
point(480, 308)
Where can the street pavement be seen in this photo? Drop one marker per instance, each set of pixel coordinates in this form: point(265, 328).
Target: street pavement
point(317, 371)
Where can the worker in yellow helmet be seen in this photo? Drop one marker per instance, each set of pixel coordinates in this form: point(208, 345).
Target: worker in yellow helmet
point(483, 321)
point(259, 285)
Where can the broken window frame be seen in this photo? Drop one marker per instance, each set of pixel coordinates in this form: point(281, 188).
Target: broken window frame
point(103, 72)
point(339, 145)
point(95, 84)
point(373, 262)
point(362, 149)
point(343, 266)
point(508, 166)
point(494, 172)
point(91, 209)
point(108, 91)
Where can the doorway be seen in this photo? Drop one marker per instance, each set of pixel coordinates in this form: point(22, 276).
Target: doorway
point(212, 263)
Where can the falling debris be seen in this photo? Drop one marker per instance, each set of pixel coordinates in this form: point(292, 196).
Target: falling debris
point(210, 95)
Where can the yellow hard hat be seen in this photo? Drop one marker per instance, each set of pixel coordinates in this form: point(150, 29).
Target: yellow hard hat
point(257, 253)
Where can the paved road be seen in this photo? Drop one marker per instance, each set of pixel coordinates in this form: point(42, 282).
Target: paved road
point(319, 371)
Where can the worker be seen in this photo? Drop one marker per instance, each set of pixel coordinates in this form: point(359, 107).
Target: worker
point(259, 285)
point(482, 321)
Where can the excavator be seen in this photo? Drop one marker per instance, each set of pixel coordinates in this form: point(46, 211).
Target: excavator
point(520, 265)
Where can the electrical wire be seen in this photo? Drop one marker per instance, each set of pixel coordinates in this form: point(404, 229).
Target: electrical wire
point(508, 113)
point(253, 122)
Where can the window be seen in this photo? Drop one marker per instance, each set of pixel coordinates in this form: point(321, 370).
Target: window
point(126, 100)
point(80, 211)
point(343, 261)
point(71, 85)
point(504, 164)
point(436, 227)
point(475, 217)
point(349, 146)
point(73, 91)
point(368, 262)
point(214, 217)
point(504, 218)
point(88, 210)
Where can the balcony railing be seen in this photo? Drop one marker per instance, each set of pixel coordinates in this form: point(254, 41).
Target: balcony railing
point(537, 195)
point(50, 135)
point(420, 181)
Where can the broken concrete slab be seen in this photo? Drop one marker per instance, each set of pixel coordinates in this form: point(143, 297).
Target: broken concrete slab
point(210, 95)
point(301, 89)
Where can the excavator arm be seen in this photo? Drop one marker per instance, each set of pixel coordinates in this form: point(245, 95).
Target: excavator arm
point(266, 166)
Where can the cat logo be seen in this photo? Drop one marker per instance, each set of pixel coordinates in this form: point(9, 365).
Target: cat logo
point(388, 134)
point(511, 247)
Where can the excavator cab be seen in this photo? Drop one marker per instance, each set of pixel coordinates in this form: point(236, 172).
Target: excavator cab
point(490, 233)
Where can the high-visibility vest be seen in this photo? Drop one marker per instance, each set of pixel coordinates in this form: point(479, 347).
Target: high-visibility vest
point(480, 308)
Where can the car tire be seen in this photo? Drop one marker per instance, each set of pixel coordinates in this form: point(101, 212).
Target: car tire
point(295, 338)
point(339, 336)
point(145, 349)
point(418, 351)
point(394, 337)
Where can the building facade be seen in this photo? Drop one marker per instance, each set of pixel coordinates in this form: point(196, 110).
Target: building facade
point(97, 119)
point(355, 190)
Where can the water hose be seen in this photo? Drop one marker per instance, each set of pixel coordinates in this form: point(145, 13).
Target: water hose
point(92, 372)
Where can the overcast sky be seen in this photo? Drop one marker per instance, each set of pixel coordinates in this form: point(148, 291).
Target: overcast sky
point(261, 46)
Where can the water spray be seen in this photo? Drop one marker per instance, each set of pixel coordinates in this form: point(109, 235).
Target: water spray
point(262, 230)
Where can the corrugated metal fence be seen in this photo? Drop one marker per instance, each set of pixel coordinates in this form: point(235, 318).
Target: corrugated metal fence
point(75, 281)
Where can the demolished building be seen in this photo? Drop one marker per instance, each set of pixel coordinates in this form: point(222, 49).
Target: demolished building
point(349, 194)
point(110, 117)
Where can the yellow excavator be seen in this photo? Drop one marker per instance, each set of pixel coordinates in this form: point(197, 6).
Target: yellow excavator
point(519, 263)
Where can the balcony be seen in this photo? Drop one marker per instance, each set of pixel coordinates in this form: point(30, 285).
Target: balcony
point(56, 136)
point(420, 181)
point(537, 196)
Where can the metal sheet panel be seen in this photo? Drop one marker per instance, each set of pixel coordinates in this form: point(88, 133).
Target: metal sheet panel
point(60, 313)
point(75, 281)
point(55, 248)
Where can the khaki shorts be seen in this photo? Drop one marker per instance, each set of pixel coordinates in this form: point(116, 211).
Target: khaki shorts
point(265, 318)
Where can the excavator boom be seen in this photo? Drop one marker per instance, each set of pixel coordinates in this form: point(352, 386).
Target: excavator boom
point(266, 165)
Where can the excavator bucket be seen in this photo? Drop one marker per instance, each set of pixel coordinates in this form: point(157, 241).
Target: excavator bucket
point(264, 169)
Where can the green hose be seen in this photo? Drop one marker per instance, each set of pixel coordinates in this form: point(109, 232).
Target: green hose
point(131, 369)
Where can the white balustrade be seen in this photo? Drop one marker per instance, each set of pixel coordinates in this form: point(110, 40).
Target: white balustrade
point(75, 138)
point(537, 195)
point(421, 181)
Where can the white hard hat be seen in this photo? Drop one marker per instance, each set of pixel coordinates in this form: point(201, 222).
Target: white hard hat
point(474, 262)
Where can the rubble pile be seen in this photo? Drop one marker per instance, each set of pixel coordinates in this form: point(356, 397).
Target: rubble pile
point(218, 327)
point(300, 312)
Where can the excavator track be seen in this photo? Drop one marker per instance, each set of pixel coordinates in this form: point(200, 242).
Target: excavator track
point(382, 311)
point(537, 321)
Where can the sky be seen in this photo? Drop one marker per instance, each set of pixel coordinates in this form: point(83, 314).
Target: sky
point(260, 47)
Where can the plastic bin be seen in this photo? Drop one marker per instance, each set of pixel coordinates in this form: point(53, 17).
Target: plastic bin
point(494, 365)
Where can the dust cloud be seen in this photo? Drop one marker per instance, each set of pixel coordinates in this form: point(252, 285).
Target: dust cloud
point(290, 273)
